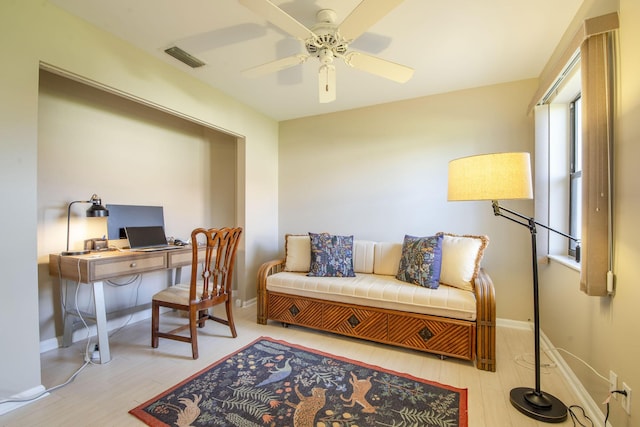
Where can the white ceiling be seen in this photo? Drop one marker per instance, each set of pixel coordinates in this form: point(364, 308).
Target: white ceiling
point(451, 44)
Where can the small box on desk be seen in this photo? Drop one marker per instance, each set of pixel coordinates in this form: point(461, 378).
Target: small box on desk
point(96, 244)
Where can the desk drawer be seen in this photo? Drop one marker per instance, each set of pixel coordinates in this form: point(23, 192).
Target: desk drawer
point(115, 268)
point(182, 258)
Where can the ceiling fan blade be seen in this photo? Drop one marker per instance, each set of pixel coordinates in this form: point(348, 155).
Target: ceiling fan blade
point(367, 13)
point(277, 65)
point(326, 83)
point(279, 18)
point(378, 66)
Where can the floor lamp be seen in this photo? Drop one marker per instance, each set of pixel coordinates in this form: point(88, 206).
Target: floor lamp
point(507, 176)
point(95, 210)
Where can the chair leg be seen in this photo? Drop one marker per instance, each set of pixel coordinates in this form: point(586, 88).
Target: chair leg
point(203, 315)
point(193, 323)
point(232, 326)
point(155, 324)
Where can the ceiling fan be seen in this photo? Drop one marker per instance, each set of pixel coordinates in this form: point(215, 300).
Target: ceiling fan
point(328, 41)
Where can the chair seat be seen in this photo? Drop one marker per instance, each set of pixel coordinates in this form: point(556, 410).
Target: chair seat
point(177, 294)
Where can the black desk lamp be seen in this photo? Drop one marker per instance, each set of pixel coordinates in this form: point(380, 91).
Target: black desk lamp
point(508, 176)
point(95, 210)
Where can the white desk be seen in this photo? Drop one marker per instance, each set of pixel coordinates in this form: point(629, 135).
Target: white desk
point(96, 267)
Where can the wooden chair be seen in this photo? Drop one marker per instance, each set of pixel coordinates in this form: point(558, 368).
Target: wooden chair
point(210, 285)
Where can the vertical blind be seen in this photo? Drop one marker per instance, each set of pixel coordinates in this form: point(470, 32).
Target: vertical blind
point(595, 41)
point(597, 132)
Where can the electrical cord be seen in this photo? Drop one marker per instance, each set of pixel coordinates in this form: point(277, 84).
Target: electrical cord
point(574, 416)
point(135, 302)
point(521, 360)
point(87, 360)
point(27, 399)
point(88, 352)
point(608, 399)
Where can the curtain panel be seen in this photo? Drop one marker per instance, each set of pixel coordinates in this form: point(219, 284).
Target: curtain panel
point(597, 134)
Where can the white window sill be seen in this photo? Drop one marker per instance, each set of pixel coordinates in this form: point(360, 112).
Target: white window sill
point(566, 261)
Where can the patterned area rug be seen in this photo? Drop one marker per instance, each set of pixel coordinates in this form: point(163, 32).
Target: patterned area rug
point(274, 383)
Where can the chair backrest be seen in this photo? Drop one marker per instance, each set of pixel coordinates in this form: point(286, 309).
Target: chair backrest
point(215, 271)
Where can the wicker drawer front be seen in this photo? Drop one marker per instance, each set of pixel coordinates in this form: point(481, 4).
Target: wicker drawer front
point(297, 311)
point(356, 322)
point(115, 268)
point(449, 337)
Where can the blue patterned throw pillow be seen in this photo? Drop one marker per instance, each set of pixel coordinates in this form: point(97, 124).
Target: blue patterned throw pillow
point(421, 260)
point(331, 256)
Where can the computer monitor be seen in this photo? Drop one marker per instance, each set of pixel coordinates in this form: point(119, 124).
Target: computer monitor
point(121, 216)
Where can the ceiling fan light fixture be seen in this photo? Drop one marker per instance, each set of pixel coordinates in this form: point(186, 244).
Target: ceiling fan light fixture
point(326, 56)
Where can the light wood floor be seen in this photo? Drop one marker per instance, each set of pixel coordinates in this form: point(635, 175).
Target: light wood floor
point(102, 395)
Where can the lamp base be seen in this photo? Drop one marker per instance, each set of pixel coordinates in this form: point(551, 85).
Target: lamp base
point(67, 253)
point(540, 406)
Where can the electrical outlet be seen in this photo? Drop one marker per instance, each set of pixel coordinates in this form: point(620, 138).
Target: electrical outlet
point(626, 400)
point(95, 355)
point(613, 383)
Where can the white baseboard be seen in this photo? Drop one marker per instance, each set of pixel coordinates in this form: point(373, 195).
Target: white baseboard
point(515, 324)
point(34, 394)
point(250, 302)
point(113, 324)
point(90, 332)
point(591, 407)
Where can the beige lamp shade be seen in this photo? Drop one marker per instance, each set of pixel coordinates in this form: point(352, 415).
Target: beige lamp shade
point(496, 176)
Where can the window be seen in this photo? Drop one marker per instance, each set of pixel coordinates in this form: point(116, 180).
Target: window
point(573, 148)
point(575, 174)
point(559, 150)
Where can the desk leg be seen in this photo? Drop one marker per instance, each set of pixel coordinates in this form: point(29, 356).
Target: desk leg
point(67, 337)
point(101, 322)
point(178, 278)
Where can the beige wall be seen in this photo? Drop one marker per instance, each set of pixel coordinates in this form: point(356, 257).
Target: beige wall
point(381, 172)
point(41, 32)
point(603, 331)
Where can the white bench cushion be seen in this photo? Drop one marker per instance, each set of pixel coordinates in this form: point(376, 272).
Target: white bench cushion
point(380, 291)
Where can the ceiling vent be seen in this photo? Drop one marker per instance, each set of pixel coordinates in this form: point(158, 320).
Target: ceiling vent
point(184, 57)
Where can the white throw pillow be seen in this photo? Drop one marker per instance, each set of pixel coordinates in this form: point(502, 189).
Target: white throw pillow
point(387, 258)
point(461, 256)
point(363, 256)
point(298, 253)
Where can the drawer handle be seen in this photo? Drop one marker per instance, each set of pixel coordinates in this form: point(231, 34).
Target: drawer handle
point(132, 265)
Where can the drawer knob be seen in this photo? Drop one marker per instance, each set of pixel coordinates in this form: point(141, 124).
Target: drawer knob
point(132, 265)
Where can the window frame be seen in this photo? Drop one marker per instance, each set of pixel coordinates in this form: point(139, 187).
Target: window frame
point(575, 174)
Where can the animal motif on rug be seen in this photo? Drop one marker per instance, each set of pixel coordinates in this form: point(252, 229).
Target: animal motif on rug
point(308, 407)
point(190, 412)
point(278, 374)
point(359, 395)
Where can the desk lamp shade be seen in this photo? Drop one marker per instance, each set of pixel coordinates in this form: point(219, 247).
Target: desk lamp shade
point(498, 176)
point(96, 209)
